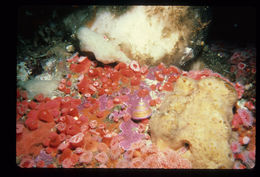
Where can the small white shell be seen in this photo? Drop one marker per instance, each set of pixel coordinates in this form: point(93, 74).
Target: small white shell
point(70, 48)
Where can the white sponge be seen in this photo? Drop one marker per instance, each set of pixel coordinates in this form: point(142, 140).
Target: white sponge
point(105, 51)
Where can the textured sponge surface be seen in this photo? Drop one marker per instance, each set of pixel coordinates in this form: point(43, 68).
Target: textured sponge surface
point(197, 114)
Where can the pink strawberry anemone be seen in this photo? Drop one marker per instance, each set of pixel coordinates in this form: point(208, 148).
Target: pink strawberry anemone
point(91, 125)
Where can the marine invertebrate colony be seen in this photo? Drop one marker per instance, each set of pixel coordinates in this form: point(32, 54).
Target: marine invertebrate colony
point(90, 126)
point(122, 100)
point(187, 118)
point(147, 34)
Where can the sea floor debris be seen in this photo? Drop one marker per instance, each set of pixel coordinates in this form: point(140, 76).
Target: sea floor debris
point(88, 125)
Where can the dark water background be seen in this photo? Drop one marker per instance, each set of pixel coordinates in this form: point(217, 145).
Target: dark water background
point(237, 24)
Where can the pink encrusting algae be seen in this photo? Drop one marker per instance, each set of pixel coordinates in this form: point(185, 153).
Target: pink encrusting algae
point(129, 134)
point(92, 124)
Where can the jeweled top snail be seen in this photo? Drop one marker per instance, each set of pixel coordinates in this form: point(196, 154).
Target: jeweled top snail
point(141, 111)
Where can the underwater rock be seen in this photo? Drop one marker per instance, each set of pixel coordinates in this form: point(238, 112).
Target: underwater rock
point(147, 34)
point(197, 115)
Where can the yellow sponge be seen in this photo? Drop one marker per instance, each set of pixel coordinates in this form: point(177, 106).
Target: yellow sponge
point(197, 114)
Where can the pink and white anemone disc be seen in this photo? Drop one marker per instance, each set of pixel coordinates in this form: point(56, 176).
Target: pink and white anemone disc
point(235, 147)
point(135, 66)
point(246, 117)
point(82, 58)
point(241, 65)
point(253, 70)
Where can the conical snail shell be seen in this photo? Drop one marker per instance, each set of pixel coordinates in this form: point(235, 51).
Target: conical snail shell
point(142, 111)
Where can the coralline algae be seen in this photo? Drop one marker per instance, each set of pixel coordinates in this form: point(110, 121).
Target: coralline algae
point(129, 134)
point(47, 158)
